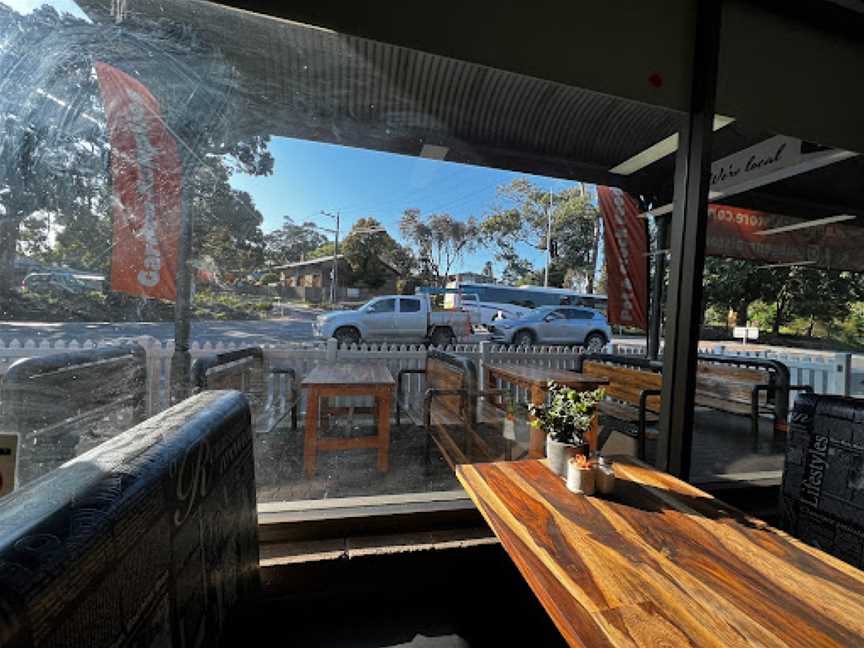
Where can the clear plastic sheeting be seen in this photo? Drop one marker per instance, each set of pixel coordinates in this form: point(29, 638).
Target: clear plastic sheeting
point(61, 405)
point(139, 142)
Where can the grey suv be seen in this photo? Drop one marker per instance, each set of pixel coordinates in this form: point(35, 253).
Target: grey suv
point(555, 325)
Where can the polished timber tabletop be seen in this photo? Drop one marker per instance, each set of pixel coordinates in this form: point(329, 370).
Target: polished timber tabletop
point(660, 562)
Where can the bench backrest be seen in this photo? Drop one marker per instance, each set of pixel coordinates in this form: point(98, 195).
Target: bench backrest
point(448, 371)
point(148, 539)
point(63, 404)
point(626, 383)
point(716, 382)
point(241, 369)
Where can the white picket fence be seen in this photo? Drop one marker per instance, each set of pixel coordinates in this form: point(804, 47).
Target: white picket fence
point(827, 373)
point(301, 357)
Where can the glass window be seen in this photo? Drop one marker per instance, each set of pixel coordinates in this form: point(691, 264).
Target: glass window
point(305, 178)
point(409, 305)
point(383, 306)
point(782, 298)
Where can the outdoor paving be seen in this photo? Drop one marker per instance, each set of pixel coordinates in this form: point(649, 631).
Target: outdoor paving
point(347, 473)
point(723, 447)
point(724, 450)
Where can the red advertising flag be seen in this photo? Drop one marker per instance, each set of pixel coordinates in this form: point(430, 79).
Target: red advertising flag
point(147, 179)
point(626, 247)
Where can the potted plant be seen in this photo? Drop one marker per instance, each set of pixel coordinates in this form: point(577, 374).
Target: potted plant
point(567, 420)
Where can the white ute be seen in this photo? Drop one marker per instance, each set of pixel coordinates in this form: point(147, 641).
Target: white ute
point(395, 318)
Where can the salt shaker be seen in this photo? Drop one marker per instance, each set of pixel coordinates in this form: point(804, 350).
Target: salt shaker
point(580, 476)
point(605, 476)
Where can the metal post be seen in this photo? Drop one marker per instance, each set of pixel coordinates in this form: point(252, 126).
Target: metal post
point(335, 279)
point(548, 241)
point(656, 315)
point(181, 361)
point(335, 262)
point(687, 245)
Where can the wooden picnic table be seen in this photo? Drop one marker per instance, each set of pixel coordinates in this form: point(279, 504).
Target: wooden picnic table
point(662, 563)
point(348, 379)
point(536, 381)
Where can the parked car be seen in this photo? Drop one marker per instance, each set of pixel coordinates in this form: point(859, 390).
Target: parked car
point(555, 325)
point(56, 282)
point(488, 314)
point(395, 318)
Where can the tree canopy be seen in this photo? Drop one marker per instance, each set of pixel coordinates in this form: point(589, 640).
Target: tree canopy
point(55, 154)
point(812, 294)
point(372, 252)
point(521, 216)
point(292, 242)
point(438, 241)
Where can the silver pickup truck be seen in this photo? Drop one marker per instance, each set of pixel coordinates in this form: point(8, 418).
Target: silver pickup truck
point(395, 318)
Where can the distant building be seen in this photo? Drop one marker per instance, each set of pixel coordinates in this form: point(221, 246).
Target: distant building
point(311, 280)
point(314, 273)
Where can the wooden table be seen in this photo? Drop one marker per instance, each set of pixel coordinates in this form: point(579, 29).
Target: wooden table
point(536, 381)
point(663, 563)
point(348, 379)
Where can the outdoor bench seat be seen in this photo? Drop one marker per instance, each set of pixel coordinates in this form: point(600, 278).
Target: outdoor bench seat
point(244, 370)
point(63, 404)
point(632, 404)
point(758, 388)
point(464, 427)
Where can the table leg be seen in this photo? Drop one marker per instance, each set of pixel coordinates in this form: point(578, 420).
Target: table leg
point(537, 442)
point(310, 444)
point(383, 402)
point(491, 384)
point(325, 413)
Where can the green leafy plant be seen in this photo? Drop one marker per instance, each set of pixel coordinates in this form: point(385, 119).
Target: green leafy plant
point(568, 416)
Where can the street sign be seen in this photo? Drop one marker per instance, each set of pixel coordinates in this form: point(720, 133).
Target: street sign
point(746, 333)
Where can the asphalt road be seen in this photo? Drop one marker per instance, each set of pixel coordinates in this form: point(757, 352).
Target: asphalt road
point(294, 327)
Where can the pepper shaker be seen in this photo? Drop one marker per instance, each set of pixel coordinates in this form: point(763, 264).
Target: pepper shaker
point(605, 476)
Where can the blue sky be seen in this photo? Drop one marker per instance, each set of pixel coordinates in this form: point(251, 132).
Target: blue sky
point(309, 177)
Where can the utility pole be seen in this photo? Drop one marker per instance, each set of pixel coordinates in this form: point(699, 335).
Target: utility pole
point(181, 361)
point(333, 284)
point(548, 241)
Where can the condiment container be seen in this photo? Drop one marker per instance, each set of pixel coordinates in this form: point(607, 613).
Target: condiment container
point(580, 477)
point(605, 477)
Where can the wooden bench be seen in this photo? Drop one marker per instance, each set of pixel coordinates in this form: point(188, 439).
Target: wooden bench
point(244, 370)
point(63, 404)
point(632, 401)
point(454, 415)
point(722, 384)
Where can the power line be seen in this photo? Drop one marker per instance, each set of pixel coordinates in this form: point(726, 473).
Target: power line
point(406, 198)
point(402, 197)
